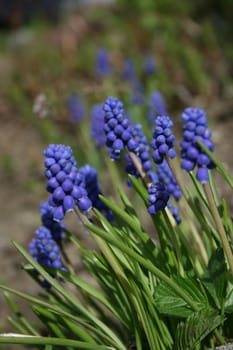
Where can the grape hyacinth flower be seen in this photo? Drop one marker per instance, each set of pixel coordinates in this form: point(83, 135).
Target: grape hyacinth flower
point(129, 70)
point(157, 103)
point(195, 128)
point(175, 212)
point(102, 65)
point(76, 108)
point(142, 151)
point(166, 177)
point(45, 250)
point(97, 125)
point(56, 228)
point(93, 190)
point(117, 128)
point(164, 139)
point(157, 106)
point(158, 197)
point(137, 91)
point(149, 65)
point(64, 181)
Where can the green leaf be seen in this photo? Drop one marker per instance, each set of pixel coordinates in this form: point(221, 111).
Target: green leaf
point(215, 279)
point(23, 321)
point(128, 219)
point(168, 302)
point(140, 188)
point(197, 326)
point(228, 306)
point(37, 340)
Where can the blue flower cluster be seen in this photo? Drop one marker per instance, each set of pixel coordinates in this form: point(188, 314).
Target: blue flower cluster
point(158, 197)
point(175, 212)
point(76, 108)
point(93, 190)
point(149, 65)
point(64, 181)
point(195, 128)
point(164, 140)
point(45, 250)
point(97, 125)
point(157, 106)
point(129, 70)
point(165, 176)
point(137, 96)
point(102, 64)
point(56, 228)
point(117, 128)
point(142, 150)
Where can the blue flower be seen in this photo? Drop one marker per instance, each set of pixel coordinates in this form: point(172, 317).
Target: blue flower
point(157, 106)
point(165, 176)
point(117, 128)
point(97, 125)
point(56, 228)
point(142, 150)
point(64, 181)
point(137, 96)
point(93, 190)
point(129, 70)
point(195, 128)
point(102, 64)
point(158, 197)
point(175, 212)
point(45, 250)
point(157, 103)
point(149, 65)
point(76, 108)
point(164, 139)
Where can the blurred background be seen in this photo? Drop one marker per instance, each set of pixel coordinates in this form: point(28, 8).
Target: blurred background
point(60, 60)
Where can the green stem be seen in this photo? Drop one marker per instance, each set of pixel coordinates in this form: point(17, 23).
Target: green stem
point(36, 340)
point(195, 234)
point(138, 166)
point(219, 225)
point(175, 242)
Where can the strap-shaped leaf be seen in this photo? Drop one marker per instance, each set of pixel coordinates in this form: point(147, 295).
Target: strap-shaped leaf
point(196, 328)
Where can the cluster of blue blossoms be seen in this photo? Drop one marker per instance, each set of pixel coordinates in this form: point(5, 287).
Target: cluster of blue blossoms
point(76, 108)
point(47, 217)
point(65, 183)
point(68, 187)
point(142, 150)
point(195, 128)
point(117, 128)
point(157, 106)
point(93, 190)
point(132, 139)
point(164, 139)
point(103, 66)
point(158, 197)
point(97, 125)
point(121, 135)
point(166, 176)
point(149, 65)
point(45, 250)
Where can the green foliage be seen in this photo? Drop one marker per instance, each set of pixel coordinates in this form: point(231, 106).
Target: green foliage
point(196, 327)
